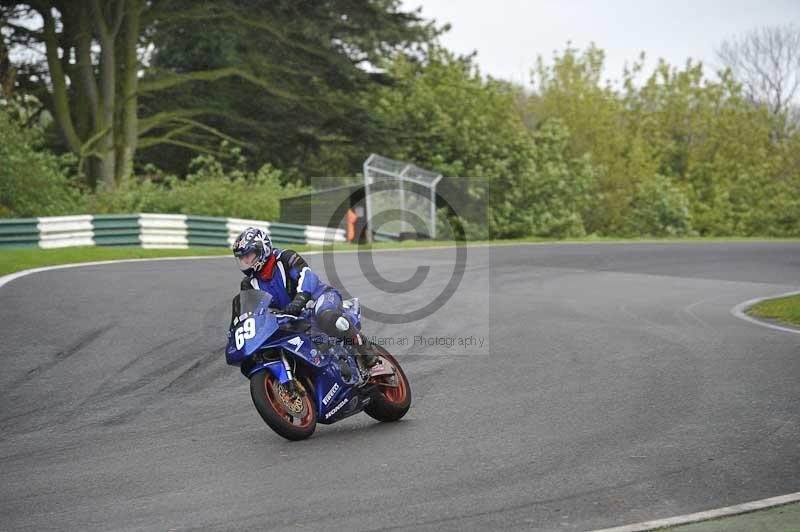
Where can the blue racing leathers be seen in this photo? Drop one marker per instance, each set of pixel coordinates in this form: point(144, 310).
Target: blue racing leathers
point(292, 284)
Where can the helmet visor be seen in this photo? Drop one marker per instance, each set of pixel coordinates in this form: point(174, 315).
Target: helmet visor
point(246, 260)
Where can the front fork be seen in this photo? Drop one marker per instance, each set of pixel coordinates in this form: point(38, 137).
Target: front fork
point(291, 388)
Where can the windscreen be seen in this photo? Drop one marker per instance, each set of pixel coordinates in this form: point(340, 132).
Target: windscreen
point(247, 302)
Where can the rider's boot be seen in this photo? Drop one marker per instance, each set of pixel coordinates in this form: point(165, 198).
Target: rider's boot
point(344, 329)
point(365, 351)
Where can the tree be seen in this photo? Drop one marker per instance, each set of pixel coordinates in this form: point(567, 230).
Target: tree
point(88, 76)
point(678, 139)
point(32, 180)
point(321, 59)
point(123, 75)
point(441, 115)
point(571, 90)
point(766, 61)
point(8, 74)
point(502, 179)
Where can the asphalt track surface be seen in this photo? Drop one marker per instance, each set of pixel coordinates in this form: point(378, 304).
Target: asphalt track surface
point(614, 387)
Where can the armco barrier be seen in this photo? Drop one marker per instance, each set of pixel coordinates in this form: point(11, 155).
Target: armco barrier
point(16, 232)
point(206, 231)
point(176, 231)
point(164, 231)
point(115, 229)
point(235, 226)
point(65, 231)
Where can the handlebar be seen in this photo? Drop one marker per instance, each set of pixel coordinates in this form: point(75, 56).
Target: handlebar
point(278, 312)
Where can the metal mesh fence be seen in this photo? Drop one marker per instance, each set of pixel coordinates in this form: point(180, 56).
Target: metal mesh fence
point(395, 197)
point(400, 197)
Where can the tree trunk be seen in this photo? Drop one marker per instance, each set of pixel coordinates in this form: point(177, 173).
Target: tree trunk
point(108, 79)
point(130, 87)
point(61, 108)
point(87, 94)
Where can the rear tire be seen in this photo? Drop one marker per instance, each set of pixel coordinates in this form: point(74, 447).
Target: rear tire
point(266, 393)
point(389, 403)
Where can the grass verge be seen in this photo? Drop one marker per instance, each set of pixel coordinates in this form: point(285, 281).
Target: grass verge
point(785, 309)
point(16, 259)
point(778, 519)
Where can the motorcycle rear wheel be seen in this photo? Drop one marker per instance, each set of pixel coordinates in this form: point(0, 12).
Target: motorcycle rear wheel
point(389, 403)
point(271, 400)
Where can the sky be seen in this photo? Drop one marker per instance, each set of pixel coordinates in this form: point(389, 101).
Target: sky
point(509, 34)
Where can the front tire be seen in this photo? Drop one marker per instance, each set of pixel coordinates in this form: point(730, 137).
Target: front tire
point(292, 419)
point(389, 403)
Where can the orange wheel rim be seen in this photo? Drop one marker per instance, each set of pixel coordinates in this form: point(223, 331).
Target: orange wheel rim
point(270, 386)
point(394, 394)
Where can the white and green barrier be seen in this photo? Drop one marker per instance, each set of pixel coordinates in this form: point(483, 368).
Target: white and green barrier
point(176, 231)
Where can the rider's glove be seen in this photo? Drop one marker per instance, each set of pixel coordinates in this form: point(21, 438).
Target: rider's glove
point(298, 303)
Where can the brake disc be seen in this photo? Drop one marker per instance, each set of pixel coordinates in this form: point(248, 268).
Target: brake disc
point(294, 407)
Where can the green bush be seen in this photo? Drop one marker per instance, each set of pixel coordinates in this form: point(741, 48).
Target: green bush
point(777, 212)
point(562, 184)
point(210, 189)
point(549, 198)
point(137, 194)
point(659, 209)
point(33, 181)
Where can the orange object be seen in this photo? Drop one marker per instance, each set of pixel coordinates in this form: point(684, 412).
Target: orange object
point(351, 225)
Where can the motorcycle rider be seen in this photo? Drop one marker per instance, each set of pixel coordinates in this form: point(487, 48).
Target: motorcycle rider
point(287, 277)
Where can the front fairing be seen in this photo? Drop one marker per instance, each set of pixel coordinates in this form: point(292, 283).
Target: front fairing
point(251, 325)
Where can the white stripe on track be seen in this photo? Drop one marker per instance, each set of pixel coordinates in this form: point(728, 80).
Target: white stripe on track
point(705, 516)
point(740, 309)
point(16, 275)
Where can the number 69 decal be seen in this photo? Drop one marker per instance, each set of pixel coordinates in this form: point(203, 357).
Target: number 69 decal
point(245, 332)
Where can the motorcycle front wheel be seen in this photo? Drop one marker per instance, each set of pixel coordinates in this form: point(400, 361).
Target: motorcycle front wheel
point(293, 418)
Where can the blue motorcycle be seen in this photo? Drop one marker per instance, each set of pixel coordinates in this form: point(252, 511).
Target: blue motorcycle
point(299, 376)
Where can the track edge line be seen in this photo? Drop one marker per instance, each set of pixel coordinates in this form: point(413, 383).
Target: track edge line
point(728, 511)
point(5, 279)
point(739, 312)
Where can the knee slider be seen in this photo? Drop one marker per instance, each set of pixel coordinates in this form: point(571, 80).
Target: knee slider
point(334, 323)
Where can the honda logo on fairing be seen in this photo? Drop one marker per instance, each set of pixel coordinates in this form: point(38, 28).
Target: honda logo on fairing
point(336, 408)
